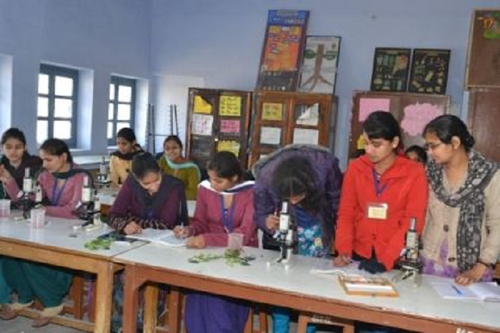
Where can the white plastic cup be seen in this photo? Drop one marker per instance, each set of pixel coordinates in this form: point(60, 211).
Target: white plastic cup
point(4, 208)
point(234, 241)
point(37, 218)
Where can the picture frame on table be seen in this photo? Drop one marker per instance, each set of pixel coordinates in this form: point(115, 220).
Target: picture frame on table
point(429, 71)
point(390, 69)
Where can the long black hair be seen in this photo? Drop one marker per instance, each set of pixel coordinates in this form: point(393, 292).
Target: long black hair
point(421, 153)
point(382, 125)
point(144, 163)
point(56, 147)
point(226, 165)
point(295, 176)
point(13, 133)
point(447, 126)
point(127, 133)
point(173, 138)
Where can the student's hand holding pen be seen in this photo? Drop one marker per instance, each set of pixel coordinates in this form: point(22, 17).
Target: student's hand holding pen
point(132, 228)
point(272, 221)
point(181, 231)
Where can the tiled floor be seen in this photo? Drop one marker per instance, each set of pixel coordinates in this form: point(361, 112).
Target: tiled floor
point(23, 325)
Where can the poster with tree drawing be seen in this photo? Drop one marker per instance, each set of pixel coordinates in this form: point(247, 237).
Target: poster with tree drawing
point(319, 69)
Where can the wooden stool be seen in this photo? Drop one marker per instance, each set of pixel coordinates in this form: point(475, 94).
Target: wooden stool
point(263, 323)
point(306, 318)
point(175, 301)
point(76, 295)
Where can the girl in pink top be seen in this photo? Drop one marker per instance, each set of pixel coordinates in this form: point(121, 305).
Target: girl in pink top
point(224, 205)
point(61, 184)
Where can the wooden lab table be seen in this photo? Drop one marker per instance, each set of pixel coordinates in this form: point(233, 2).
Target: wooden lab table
point(60, 245)
point(295, 287)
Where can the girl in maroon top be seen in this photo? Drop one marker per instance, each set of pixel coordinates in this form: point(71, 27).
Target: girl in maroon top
point(147, 199)
point(224, 205)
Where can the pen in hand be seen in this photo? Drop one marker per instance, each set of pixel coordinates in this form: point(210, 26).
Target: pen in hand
point(457, 290)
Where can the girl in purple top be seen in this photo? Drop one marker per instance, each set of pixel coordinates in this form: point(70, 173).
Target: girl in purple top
point(224, 205)
point(61, 184)
point(147, 199)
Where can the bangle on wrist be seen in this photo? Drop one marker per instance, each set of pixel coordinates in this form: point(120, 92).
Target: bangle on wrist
point(479, 261)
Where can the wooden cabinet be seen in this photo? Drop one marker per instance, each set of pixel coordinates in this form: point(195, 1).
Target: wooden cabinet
point(217, 120)
point(412, 111)
point(282, 118)
point(483, 120)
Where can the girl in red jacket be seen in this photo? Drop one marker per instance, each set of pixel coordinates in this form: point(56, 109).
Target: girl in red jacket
point(381, 192)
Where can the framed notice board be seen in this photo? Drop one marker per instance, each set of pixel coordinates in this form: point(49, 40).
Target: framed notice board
point(282, 118)
point(217, 120)
point(429, 71)
point(483, 63)
point(390, 69)
point(283, 50)
point(412, 111)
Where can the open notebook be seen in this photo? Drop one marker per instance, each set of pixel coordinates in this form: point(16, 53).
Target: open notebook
point(483, 291)
point(161, 236)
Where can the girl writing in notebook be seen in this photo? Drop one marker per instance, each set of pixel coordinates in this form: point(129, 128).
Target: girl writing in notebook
point(224, 205)
point(147, 199)
point(462, 234)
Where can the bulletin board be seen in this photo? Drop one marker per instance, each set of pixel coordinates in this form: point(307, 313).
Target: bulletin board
point(283, 118)
point(483, 63)
point(412, 111)
point(283, 49)
point(218, 120)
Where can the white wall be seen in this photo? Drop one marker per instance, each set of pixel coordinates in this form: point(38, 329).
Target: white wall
point(211, 43)
point(104, 37)
point(220, 41)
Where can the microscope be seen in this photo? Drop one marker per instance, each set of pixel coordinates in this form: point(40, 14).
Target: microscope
point(409, 262)
point(31, 195)
point(286, 235)
point(89, 208)
point(102, 179)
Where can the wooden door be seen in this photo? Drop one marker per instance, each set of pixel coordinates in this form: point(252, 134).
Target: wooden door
point(484, 121)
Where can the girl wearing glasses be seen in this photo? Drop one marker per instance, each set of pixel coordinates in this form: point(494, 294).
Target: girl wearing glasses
point(462, 233)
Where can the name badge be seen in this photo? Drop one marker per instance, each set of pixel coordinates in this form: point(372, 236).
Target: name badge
point(377, 211)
